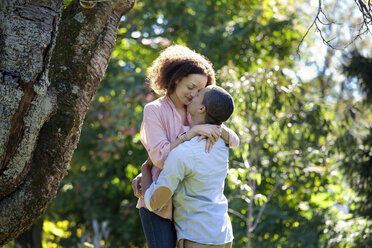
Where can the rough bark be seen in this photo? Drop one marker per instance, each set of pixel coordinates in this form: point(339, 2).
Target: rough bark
point(32, 238)
point(52, 60)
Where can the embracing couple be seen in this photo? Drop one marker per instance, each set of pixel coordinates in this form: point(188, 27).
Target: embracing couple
point(180, 190)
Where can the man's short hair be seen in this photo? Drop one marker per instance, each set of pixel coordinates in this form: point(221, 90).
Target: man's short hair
point(219, 104)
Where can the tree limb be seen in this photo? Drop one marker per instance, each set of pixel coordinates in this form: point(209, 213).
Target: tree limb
point(365, 10)
point(264, 206)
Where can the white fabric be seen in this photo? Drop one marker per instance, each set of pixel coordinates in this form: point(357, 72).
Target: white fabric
point(197, 179)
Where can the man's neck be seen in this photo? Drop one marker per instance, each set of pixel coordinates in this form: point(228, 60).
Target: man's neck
point(197, 120)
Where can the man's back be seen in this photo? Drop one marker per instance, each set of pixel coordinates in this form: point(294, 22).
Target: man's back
point(197, 180)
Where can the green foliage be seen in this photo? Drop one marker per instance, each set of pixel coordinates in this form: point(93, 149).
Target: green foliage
point(284, 135)
point(360, 67)
point(286, 171)
point(355, 139)
point(239, 31)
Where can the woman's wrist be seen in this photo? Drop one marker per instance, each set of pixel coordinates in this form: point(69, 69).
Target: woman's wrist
point(188, 135)
point(183, 137)
point(191, 133)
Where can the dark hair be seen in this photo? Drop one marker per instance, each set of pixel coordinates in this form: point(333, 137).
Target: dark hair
point(219, 104)
point(175, 63)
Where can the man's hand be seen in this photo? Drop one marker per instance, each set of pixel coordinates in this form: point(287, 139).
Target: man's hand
point(137, 181)
point(146, 176)
point(137, 186)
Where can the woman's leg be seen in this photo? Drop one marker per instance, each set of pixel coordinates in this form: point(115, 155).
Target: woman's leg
point(159, 232)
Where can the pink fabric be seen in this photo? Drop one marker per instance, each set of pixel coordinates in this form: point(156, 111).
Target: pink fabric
point(161, 125)
point(233, 139)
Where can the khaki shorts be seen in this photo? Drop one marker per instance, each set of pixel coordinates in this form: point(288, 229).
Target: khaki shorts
point(184, 243)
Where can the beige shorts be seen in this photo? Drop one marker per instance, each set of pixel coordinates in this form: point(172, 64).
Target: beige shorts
point(184, 243)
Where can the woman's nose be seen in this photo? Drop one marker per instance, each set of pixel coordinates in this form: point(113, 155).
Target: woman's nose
point(194, 93)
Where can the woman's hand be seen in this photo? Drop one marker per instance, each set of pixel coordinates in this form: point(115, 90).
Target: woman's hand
point(207, 131)
point(212, 132)
point(209, 144)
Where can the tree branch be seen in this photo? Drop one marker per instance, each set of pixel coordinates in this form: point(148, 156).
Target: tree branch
point(238, 215)
point(264, 206)
point(364, 28)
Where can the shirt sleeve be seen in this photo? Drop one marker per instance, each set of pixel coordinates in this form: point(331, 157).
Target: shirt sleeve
point(174, 171)
point(233, 138)
point(154, 137)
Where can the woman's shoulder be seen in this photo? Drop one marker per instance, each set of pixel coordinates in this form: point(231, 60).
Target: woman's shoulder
point(157, 104)
point(158, 107)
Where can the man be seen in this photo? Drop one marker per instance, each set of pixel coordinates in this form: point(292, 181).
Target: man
point(196, 178)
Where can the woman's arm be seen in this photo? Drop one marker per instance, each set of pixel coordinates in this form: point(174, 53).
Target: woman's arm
point(153, 135)
point(209, 131)
point(213, 133)
point(229, 136)
point(175, 143)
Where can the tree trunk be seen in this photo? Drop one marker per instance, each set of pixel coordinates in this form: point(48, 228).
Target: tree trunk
point(52, 60)
point(32, 237)
point(252, 184)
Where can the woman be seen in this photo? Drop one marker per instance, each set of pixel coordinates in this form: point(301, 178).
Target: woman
point(178, 74)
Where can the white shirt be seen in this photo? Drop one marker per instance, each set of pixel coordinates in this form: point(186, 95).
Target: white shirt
point(196, 179)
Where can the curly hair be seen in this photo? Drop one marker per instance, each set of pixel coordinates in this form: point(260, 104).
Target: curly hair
point(175, 63)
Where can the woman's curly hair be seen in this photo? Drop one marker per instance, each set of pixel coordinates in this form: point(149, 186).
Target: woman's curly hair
point(175, 63)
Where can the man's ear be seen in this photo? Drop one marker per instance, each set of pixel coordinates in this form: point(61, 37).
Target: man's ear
point(202, 109)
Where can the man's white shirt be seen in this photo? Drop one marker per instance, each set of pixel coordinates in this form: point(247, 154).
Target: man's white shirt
point(196, 179)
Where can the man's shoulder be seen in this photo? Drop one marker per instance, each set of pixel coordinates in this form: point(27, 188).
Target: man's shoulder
point(182, 149)
point(194, 144)
point(193, 147)
point(182, 152)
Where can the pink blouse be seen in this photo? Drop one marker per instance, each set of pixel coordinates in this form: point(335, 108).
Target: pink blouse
point(161, 125)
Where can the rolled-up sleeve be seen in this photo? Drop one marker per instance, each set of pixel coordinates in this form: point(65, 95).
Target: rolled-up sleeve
point(174, 171)
point(233, 138)
point(153, 136)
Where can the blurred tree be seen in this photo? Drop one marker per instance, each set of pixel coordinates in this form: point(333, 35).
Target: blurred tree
point(47, 82)
point(109, 153)
point(284, 186)
point(359, 66)
point(336, 16)
point(355, 143)
point(279, 181)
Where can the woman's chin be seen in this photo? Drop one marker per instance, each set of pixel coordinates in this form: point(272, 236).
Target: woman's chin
point(187, 102)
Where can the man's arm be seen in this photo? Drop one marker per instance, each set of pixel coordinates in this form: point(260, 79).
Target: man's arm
point(137, 181)
point(146, 177)
point(173, 172)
